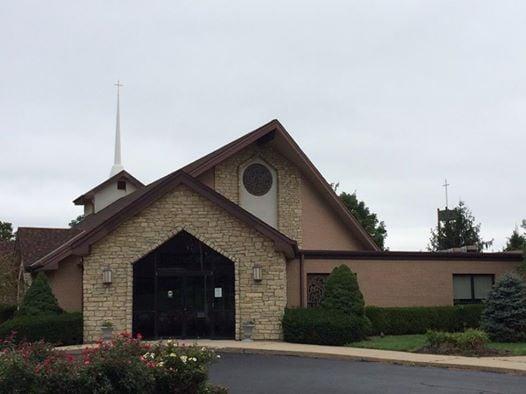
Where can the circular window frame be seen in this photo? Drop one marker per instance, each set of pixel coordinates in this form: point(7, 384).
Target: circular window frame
point(257, 179)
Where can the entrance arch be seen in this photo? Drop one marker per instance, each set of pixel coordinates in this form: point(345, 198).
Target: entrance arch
point(184, 289)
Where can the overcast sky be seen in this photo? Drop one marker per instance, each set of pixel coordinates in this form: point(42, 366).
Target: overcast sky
point(386, 97)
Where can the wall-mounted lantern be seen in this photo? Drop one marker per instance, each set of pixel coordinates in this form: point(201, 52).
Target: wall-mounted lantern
point(257, 272)
point(106, 276)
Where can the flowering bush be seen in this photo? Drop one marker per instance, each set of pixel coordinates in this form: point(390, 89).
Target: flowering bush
point(125, 365)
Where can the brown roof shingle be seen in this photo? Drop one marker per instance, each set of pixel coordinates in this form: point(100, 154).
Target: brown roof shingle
point(35, 242)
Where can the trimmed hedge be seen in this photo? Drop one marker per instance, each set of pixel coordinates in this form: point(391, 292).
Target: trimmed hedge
point(417, 320)
point(63, 329)
point(323, 327)
point(6, 312)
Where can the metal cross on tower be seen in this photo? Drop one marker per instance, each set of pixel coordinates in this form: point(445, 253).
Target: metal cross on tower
point(445, 185)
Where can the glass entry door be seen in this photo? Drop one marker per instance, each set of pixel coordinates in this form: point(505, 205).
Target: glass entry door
point(184, 289)
point(183, 309)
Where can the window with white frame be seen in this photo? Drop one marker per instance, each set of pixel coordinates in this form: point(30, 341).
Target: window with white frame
point(471, 288)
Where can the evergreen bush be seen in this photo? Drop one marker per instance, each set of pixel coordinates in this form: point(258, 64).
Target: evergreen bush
point(39, 299)
point(342, 292)
point(419, 319)
point(63, 329)
point(323, 327)
point(504, 316)
point(6, 312)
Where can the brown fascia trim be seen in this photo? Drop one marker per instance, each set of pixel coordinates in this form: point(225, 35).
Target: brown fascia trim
point(211, 160)
point(401, 255)
point(86, 197)
point(81, 244)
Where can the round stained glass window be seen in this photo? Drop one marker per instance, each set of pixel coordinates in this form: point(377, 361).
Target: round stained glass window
point(257, 179)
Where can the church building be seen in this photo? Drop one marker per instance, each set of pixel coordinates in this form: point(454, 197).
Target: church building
point(237, 235)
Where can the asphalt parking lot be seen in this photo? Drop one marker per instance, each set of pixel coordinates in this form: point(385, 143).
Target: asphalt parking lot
point(245, 373)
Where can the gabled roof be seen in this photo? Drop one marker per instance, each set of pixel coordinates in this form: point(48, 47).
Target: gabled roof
point(123, 175)
point(105, 221)
point(274, 131)
point(36, 242)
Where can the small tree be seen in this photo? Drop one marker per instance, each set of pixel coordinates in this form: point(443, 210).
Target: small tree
point(516, 241)
point(39, 299)
point(342, 292)
point(6, 231)
point(460, 230)
point(504, 317)
point(76, 221)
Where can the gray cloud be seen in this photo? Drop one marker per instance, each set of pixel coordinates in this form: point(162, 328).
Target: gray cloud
point(388, 98)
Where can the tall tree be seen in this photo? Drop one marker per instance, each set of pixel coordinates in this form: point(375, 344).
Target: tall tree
point(6, 231)
point(516, 241)
point(367, 219)
point(460, 230)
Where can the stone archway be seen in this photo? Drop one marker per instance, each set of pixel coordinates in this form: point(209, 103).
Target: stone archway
point(184, 289)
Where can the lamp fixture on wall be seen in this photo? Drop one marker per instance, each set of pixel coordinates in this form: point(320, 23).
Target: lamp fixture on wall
point(257, 272)
point(106, 276)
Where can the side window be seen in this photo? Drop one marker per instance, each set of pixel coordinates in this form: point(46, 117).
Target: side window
point(471, 288)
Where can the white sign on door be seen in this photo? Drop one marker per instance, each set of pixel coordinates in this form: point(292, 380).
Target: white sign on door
point(218, 292)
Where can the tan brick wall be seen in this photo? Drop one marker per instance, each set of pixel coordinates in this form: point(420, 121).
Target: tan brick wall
point(398, 282)
point(178, 210)
point(227, 183)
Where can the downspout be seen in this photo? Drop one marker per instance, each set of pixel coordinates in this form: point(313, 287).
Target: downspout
point(302, 290)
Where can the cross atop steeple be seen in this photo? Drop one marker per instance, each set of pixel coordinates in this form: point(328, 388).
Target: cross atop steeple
point(117, 164)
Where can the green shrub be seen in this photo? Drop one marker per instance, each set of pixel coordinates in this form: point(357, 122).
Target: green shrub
point(6, 312)
point(417, 320)
point(342, 292)
point(323, 327)
point(504, 317)
point(39, 299)
point(470, 341)
point(64, 329)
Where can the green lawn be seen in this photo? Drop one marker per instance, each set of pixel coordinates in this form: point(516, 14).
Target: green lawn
point(411, 343)
point(402, 343)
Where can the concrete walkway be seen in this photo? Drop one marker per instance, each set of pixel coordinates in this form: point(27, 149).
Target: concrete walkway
point(515, 365)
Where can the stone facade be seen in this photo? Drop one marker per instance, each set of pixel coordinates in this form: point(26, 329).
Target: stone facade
point(183, 209)
point(227, 182)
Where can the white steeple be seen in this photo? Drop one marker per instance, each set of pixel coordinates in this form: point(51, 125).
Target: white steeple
point(117, 165)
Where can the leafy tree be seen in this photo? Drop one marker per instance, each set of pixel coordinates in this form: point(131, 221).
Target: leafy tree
point(6, 231)
point(343, 293)
point(39, 299)
point(517, 241)
point(76, 221)
point(367, 219)
point(460, 230)
point(504, 317)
